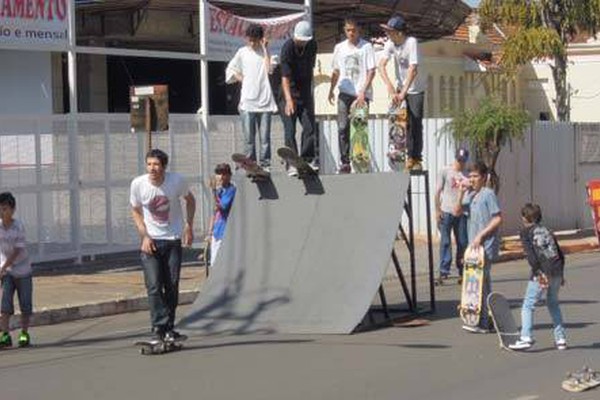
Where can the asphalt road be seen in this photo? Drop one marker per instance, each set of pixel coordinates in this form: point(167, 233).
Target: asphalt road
point(95, 359)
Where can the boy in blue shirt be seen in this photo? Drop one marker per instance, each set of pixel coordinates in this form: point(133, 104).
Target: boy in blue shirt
point(224, 194)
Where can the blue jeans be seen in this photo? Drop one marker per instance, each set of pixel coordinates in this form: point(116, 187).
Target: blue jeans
point(532, 294)
point(161, 275)
point(484, 319)
point(262, 121)
point(24, 288)
point(448, 225)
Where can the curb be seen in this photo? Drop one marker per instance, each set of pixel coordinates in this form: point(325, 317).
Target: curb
point(114, 307)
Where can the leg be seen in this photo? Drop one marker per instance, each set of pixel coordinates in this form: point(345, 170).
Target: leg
point(484, 320)
point(343, 118)
point(24, 292)
point(532, 293)
point(552, 303)
point(173, 255)
point(289, 130)
point(264, 124)
point(459, 227)
point(249, 129)
point(215, 245)
point(310, 139)
point(445, 244)
point(153, 278)
point(415, 104)
point(7, 309)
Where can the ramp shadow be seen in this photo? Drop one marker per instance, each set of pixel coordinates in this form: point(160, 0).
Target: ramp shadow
point(313, 185)
point(267, 190)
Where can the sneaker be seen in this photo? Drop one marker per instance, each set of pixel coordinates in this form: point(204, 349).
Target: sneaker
point(292, 171)
point(345, 169)
point(474, 329)
point(24, 339)
point(561, 344)
point(314, 164)
point(521, 344)
point(266, 168)
point(173, 336)
point(5, 340)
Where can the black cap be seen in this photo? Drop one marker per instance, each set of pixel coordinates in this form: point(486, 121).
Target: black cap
point(396, 23)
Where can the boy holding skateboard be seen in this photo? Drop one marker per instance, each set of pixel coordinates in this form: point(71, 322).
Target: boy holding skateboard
point(546, 261)
point(155, 200)
point(353, 72)
point(15, 272)
point(481, 207)
point(224, 193)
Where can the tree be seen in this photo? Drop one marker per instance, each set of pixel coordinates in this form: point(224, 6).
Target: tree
point(486, 130)
point(538, 29)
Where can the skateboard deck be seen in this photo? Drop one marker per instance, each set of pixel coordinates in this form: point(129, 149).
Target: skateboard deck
point(472, 286)
point(504, 323)
point(155, 347)
point(581, 380)
point(289, 156)
point(397, 142)
point(360, 153)
point(253, 170)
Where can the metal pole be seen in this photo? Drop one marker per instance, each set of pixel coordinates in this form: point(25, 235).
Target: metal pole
point(429, 247)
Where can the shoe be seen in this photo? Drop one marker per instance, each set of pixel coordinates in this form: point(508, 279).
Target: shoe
point(459, 281)
point(521, 344)
point(474, 329)
point(292, 171)
point(345, 169)
point(173, 336)
point(561, 344)
point(266, 168)
point(410, 162)
point(417, 166)
point(5, 340)
point(24, 339)
point(314, 164)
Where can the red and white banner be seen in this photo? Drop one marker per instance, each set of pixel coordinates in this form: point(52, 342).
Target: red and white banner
point(226, 32)
point(40, 23)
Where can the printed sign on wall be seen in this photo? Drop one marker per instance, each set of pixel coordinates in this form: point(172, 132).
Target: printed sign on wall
point(226, 32)
point(40, 23)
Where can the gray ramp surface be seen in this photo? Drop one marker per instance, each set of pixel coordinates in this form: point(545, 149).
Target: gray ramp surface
point(301, 256)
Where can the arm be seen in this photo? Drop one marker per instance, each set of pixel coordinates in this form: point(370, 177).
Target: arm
point(10, 260)
point(490, 228)
point(362, 93)
point(267, 55)
point(147, 245)
point(384, 75)
point(233, 72)
point(532, 258)
point(335, 76)
point(290, 107)
point(190, 209)
point(413, 70)
point(438, 203)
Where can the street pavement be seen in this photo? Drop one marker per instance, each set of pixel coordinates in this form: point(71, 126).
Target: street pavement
point(95, 359)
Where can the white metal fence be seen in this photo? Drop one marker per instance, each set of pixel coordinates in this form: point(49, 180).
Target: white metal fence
point(71, 175)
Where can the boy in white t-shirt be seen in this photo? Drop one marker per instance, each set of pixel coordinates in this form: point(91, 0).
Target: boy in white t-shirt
point(155, 200)
point(15, 272)
point(251, 66)
point(409, 86)
point(353, 71)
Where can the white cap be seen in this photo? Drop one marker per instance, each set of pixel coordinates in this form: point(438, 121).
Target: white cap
point(302, 31)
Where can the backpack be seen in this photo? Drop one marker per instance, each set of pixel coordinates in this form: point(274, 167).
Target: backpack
point(547, 250)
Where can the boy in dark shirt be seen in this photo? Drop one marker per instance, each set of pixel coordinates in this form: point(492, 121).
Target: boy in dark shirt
point(547, 273)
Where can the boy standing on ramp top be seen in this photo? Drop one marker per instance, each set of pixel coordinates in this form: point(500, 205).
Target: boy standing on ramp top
point(155, 200)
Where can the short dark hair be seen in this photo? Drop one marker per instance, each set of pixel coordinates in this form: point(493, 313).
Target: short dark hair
point(6, 198)
point(223, 168)
point(255, 31)
point(161, 155)
point(532, 213)
point(351, 20)
point(479, 167)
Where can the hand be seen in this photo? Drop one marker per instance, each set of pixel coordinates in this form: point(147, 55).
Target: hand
point(361, 99)
point(148, 245)
point(391, 91)
point(331, 97)
point(264, 42)
point(477, 241)
point(290, 108)
point(398, 98)
point(543, 281)
point(188, 236)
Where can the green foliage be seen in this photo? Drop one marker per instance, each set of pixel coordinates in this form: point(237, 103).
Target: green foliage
point(487, 129)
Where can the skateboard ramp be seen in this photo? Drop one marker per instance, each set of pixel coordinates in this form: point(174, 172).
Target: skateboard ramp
point(301, 256)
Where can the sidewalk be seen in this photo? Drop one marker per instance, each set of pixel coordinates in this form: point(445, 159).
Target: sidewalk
point(65, 297)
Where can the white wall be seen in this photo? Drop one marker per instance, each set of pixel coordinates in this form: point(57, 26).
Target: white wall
point(26, 82)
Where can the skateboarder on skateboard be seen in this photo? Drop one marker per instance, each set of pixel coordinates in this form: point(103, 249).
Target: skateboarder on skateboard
point(353, 72)
point(409, 85)
point(155, 199)
point(251, 66)
point(296, 99)
point(546, 261)
point(480, 204)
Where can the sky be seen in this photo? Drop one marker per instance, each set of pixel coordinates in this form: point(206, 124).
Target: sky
point(472, 3)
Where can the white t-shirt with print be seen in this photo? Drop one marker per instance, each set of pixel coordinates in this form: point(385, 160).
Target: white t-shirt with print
point(256, 94)
point(11, 239)
point(353, 63)
point(161, 205)
point(405, 55)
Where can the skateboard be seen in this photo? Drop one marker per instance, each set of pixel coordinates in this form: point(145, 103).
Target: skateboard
point(289, 156)
point(472, 286)
point(581, 380)
point(505, 324)
point(253, 170)
point(155, 347)
point(359, 138)
point(398, 123)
